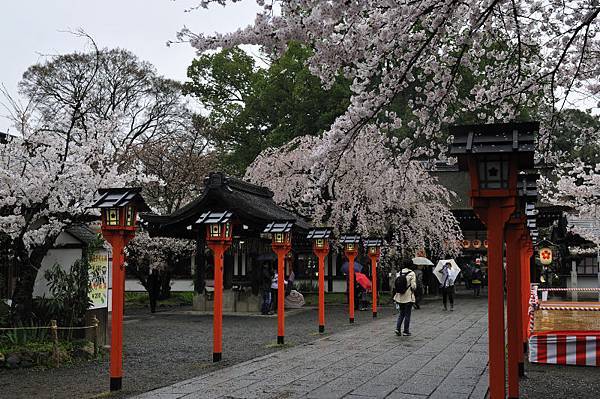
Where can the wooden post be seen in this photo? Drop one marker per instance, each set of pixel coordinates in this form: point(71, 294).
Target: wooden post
point(321, 257)
point(96, 324)
point(351, 258)
point(513, 284)
point(118, 243)
point(218, 251)
point(55, 354)
point(495, 212)
point(281, 253)
point(374, 256)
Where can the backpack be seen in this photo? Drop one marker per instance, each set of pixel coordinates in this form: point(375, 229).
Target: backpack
point(401, 283)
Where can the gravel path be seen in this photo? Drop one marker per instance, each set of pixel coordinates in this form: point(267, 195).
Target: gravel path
point(552, 381)
point(172, 346)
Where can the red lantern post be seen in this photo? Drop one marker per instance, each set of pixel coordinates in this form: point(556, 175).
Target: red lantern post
point(219, 234)
point(320, 239)
point(493, 154)
point(119, 208)
point(514, 233)
point(350, 242)
point(374, 250)
point(518, 301)
point(281, 242)
point(527, 254)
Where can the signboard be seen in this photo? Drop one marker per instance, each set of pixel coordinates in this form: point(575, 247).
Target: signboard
point(98, 275)
point(545, 256)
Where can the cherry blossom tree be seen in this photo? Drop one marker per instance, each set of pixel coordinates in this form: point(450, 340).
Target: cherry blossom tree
point(577, 186)
point(372, 191)
point(47, 182)
point(521, 54)
point(147, 253)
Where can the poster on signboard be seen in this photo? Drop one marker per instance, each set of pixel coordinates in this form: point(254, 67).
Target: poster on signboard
point(98, 275)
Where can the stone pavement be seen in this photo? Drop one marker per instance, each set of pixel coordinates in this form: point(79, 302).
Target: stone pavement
point(446, 357)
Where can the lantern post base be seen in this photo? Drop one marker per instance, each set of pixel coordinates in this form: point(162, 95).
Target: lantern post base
point(116, 383)
point(374, 315)
point(321, 329)
point(280, 340)
point(217, 357)
point(352, 320)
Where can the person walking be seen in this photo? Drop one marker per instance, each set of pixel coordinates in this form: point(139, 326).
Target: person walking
point(476, 281)
point(275, 290)
point(153, 287)
point(447, 286)
point(404, 287)
point(419, 291)
point(267, 274)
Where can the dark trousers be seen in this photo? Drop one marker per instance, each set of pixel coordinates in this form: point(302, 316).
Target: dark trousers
point(152, 302)
point(274, 299)
point(448, 293)
point(405, 310)
point(266, 305)
point(476, 289)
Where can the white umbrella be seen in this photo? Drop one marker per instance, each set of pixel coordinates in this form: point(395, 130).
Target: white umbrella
point(421, 261)
point(452, 273)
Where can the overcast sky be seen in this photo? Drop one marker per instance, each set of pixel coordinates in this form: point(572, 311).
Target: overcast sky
point(33, 29)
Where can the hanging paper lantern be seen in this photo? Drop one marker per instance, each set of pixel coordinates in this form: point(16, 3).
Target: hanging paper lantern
point(545, 256)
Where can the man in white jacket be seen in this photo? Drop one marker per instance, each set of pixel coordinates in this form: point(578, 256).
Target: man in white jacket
point(404, 295)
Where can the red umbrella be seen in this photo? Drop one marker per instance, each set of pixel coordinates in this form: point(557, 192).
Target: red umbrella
point(363, 281)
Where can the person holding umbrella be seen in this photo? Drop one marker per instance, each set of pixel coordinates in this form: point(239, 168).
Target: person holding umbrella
point(404, 287)
point(446, 271)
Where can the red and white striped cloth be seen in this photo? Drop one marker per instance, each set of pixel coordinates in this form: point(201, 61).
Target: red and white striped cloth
point(565, 347)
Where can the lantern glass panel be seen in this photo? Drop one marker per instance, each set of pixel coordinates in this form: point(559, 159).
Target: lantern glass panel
point(278, 238)
point(373, 250)
point(227, 230)
point(111, 216)
point(130, 216)
point(493, 173)
point(350, 246)
point(319, 243)
point(215, 230)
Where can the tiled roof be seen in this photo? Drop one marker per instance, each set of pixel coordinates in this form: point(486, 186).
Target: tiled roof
point(251, 204)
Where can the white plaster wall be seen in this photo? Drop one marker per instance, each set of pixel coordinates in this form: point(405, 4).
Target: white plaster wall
point(63, 257)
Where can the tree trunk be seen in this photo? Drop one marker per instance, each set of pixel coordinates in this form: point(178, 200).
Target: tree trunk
point(200, 265)
point(28, 264)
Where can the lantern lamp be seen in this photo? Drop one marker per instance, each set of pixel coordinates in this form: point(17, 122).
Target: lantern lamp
point(119, 207)
point(350, 242)
point(281, 242)
point(527, 186)
point(373, 245)
point(320, 237)
point(374, 250)
point(218, 226)
point(281, 233)
point(494, 153)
